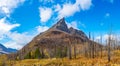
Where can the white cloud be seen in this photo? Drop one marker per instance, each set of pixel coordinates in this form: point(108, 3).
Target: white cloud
point(70, 9)
point(75, 24)
point(6, 27)
point(45, 14)
point(84, 4)
point(63, 10)
point(7, 6)
point(72, 24)
point(18, 40)
point(57, 7)
point(97, 38)
point(82, 24)
point(12, 44)
point(42, 28)
point(15, 39)
point(105, 38)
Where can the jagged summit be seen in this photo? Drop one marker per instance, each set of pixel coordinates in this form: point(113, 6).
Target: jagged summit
point(61, 21)
point(61, 25)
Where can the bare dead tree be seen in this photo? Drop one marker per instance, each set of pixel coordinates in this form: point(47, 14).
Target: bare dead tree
point(101, 48)
point(115, 42)
point(109, 44)
point(109, 56)
point(85, 49)
point(89, 45)
point(93, 48)
point(69, 52)
point(74, 49)
point(69, 48)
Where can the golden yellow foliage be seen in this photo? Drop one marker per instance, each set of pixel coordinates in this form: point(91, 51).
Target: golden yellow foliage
point(79, 61)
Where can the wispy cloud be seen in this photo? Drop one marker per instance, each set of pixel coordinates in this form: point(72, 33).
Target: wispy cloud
point(72, 24)
point(45, 14)
point(6, 26)
point(105, 38)
point(42, 28)
point(7, 6)
point(69, 9)
point(18, 40)
point(75, 24)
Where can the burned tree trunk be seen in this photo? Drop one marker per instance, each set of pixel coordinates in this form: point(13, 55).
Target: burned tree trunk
point(109, 43)
point(89, 45)
point(74, 51)
point(69, 52)
point(93, 48)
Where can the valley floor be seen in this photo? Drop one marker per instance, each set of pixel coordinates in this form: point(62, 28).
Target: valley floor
point(79, 61)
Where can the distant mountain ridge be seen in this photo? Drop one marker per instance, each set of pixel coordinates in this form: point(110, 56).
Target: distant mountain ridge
point(4, 50)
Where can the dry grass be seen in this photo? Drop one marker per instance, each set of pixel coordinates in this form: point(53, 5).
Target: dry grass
point(79, 61)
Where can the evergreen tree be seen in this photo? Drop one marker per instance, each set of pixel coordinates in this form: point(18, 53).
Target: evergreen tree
point(37, 54)
point(59, 53)
point(28, 56)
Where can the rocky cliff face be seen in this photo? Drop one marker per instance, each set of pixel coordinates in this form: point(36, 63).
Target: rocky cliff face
point(78, 33)
point(61, 25)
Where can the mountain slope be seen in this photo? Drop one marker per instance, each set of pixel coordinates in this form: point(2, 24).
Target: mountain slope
point(58, 39)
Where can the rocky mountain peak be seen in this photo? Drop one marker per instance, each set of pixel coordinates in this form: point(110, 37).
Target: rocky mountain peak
point(61, 25)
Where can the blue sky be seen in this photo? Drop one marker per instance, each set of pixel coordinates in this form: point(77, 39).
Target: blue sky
point(21, 20)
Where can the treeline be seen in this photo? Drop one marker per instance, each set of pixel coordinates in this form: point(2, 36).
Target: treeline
point(40, 54)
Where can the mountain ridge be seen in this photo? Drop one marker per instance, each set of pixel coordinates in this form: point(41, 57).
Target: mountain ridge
point(4, 50)
point(61, 25)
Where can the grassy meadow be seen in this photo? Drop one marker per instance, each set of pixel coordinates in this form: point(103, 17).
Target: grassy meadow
point(79, 61)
